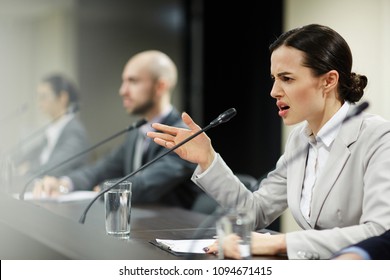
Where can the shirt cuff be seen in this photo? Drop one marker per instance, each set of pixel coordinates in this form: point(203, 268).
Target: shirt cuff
point(356, 250)
point(199, 174)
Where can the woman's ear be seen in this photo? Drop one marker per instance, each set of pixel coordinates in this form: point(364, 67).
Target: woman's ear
point(331, 81)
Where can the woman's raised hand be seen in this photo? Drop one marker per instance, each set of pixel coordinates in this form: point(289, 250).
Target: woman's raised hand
point(198, 150)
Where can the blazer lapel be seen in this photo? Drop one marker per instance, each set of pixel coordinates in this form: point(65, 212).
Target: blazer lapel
point(295, 175)
point(338, 157)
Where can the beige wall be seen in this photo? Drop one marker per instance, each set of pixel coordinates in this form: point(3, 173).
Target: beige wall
point(366, 27)
point(34, 40)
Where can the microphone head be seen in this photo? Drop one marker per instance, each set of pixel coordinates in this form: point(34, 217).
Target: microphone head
point(360, 108)
point(224, 117)
point(357, 111)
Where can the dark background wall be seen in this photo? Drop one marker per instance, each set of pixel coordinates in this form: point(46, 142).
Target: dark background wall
point(232, 39)
point(235, 73)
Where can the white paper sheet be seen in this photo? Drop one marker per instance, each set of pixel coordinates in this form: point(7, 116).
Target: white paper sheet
point(186, 245)
point(72, 196)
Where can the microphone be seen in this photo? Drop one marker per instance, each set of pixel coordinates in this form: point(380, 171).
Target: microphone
point(359, 108)
point(131, 127)
point(224, 117)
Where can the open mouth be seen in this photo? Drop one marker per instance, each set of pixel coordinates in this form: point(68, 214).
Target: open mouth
point(283, 108)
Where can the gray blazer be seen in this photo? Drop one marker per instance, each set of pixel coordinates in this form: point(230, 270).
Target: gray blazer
point(166, 181)
point(72, 140)
point(351, 198)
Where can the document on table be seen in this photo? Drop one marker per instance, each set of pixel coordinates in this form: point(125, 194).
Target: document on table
point(184, 245)
point(69, 197)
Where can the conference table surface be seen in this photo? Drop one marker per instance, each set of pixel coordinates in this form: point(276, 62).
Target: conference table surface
point(51, 230)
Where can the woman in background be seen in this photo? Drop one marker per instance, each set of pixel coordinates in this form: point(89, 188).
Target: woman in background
point(58, 99)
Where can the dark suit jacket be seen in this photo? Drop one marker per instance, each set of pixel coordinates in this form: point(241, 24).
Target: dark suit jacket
point(166, 181)
point(378, 247)
point(72, 140)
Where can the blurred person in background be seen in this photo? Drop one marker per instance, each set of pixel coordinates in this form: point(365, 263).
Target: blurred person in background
point(63, 136)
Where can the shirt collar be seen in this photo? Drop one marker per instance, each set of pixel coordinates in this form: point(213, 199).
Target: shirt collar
point(157, 119)
point(55, 129)
point(329, 131)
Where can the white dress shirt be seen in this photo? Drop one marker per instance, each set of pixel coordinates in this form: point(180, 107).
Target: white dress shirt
point(53, 132)
point(319, 149)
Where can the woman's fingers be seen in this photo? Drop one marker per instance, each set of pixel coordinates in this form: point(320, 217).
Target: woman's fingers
point(165, 128)
point(230, 246)
point(161, 142)
point(212, 248)
point(189, 122)
point(162, 136)
point(168, 133)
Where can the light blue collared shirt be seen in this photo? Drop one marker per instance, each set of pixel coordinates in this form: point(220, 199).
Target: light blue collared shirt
point(355, 250)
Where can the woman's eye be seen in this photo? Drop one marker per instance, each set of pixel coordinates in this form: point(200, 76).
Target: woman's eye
point(285, 79)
